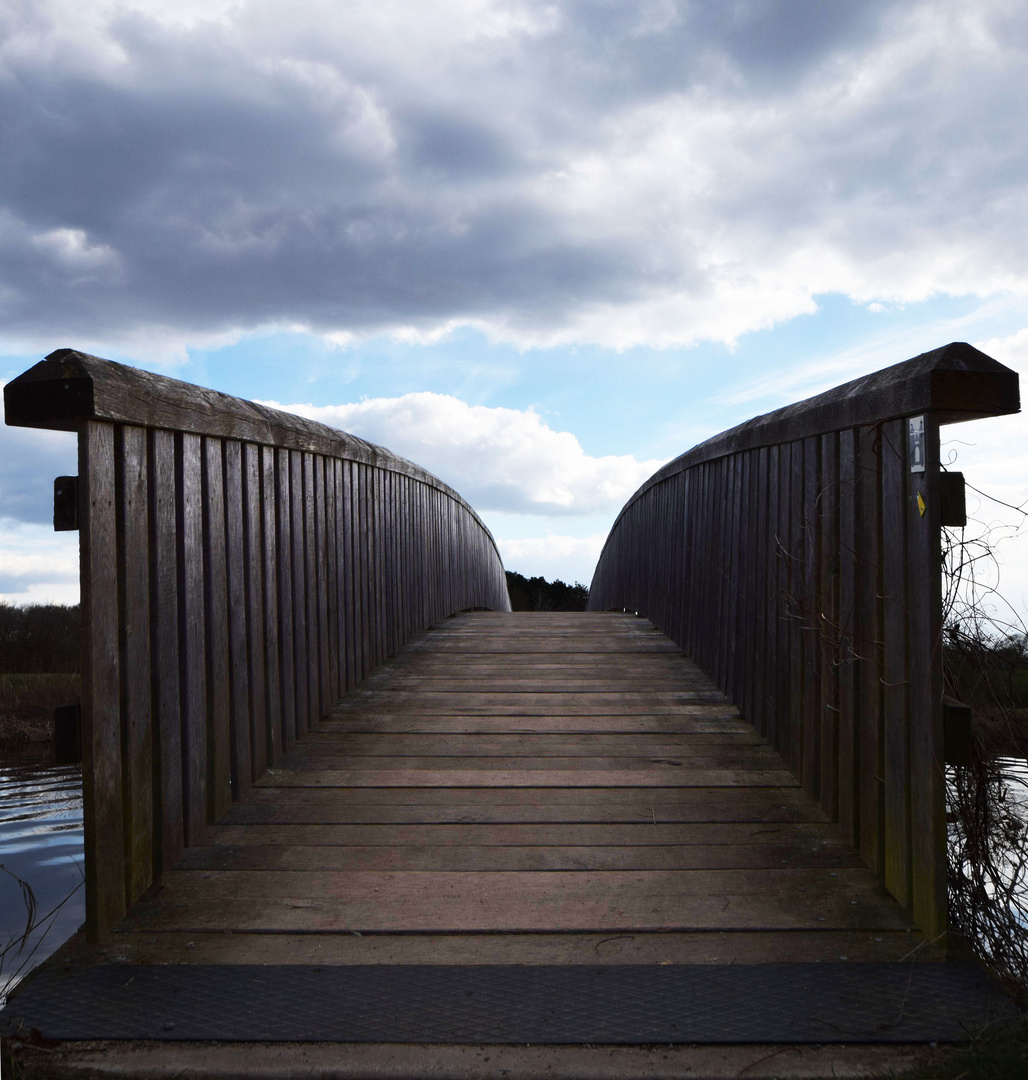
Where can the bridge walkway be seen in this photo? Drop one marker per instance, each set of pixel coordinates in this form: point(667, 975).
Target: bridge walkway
point(525, 788)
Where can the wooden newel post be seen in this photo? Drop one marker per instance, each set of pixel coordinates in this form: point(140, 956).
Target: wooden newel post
point(101, 680)
point(927, 737)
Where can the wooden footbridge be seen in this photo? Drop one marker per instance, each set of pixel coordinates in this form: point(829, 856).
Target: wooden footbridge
point(337, 793)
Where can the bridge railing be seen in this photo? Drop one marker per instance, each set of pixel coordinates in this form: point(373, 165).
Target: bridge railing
point(797, 558)
point(241, 569)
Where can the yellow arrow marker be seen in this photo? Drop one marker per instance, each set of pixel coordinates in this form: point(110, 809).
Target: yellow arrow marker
point(921, 504)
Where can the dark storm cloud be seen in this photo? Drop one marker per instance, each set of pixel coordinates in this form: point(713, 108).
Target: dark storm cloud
point(741, 47)
point(579, 170)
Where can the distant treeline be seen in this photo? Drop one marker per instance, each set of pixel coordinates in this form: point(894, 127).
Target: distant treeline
point(39, 638)
point(44, 638)
point(538, 594)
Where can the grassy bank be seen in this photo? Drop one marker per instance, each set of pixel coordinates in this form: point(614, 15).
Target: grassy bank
point(27, 704)
point(1000, 1053)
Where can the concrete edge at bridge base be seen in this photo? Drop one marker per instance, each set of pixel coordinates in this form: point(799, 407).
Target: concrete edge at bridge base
point(392, 1061)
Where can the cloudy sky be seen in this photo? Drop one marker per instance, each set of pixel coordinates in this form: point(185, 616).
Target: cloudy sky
point(538, 247)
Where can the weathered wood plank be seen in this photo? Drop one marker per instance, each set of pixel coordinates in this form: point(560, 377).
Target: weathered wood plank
point(298, 562)
point(810, 600)
point(631, 743)
point(101, 678)
point(803, 839)
point(683, 720)
point(848, 727)
point(739, 947)
point(132, 477)
point(192, 636)
point(430, 700)
point(311, 662)
point(828, 589)
point(286, 611)
point(927, 738)
point(326, 695)
point(537, 706)
point(471, 858)
point(239, 668)
point(350, 578)
point(797, 610)
point(870, 644)
point(218, 659)
point(753, 759)
point(333, 589)
point(255, 623)
point(536, 778)
point(164, 647)
point(616, 900)
point(273, 710)
point(896, 674)
point(514, 805)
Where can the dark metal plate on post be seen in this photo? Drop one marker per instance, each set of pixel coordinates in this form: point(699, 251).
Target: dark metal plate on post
point(67, 734)
point(956, 719)
point(66, 503)
point(952, 499)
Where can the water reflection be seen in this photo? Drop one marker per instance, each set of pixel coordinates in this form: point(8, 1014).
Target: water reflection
point(41, 843)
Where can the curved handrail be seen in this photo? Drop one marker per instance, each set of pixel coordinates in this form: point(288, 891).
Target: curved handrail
point(69, 386)
point(241, 569)
point(797, 558)
point(956, 382)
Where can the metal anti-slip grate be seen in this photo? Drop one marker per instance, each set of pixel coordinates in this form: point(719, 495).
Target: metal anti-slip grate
point(758, 1003)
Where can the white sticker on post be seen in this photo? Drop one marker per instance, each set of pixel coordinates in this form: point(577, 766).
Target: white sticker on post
point(916, 443)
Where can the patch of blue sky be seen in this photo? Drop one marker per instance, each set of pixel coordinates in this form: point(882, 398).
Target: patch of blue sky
point(652, 403)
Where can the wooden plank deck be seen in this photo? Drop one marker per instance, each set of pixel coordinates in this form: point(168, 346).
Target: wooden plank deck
point(524, 788)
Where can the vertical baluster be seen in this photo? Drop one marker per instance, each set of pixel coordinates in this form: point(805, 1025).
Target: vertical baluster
point(254, 564)
point(164, 650)
point(301, 645)
point(332, 586)
point(362, 588)
point(219, 705)
point(869, 638)
point(286, 601)
point(350, 578)
point(132, 478)
point(270, 604)
point(310, 554)
point(772, 594)
point(829, 618)
point(192, 635)
point(103, 809)
point(897, 662)
point(927, 749)
point(238, 643)
point(783, 608)
point(811, 609)
point(849, 732)
point(324, 686)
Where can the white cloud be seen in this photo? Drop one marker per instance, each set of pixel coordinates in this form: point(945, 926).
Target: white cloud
point(568, 558)
point(72, 248)
point(549, 171)
point(498, 459)
point(37, 565)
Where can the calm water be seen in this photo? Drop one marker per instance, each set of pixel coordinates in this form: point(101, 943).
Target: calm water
point(41, 843)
